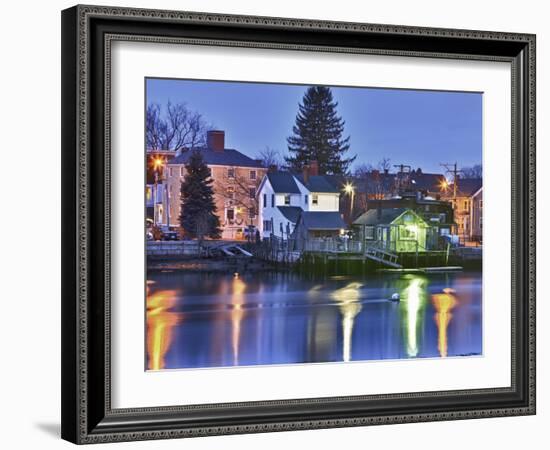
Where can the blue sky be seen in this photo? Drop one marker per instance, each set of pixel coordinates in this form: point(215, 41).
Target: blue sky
point(417, 128)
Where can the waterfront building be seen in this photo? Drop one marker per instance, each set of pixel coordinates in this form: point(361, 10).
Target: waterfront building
point(283, 197)
point(236, 178)
point(468, 208)
point(313, 228)
point(396, 230)
point(438, 213)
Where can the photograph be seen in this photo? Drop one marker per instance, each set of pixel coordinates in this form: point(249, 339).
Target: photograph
point(305, 220)
point(310, 224)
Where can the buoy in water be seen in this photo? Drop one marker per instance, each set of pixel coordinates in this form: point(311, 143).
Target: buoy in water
point(395, 297)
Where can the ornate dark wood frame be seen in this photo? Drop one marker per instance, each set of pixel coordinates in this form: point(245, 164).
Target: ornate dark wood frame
point(87, 33)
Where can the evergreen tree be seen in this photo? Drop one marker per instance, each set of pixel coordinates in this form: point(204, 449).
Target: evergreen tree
point(198, 211)
point(318, 134)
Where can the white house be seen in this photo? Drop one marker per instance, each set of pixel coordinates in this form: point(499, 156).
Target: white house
point(283, 196)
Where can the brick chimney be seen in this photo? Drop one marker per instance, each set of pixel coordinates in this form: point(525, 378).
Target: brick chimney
point(310, 170)
point(215, 140)
point(314, 168)
point(305, 173)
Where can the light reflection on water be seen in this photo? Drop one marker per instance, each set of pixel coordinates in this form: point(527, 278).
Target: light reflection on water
point(206, 320)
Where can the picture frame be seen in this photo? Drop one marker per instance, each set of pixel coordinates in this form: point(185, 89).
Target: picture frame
point(87, 413)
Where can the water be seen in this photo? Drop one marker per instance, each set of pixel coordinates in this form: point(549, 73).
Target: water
point(214, 320)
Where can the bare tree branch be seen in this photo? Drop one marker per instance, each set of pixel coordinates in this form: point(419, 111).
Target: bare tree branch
point(270, 158)
point(174, 127)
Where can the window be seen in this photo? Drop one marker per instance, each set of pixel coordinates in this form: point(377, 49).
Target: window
point(182, 168)
point(231, 192)
point(251, 213)
point(273, 200)
point(230, 215)
point(305, 199)
point(408, 232)
point(267, 225)
point(252, 174)
point(265, 200)
point(466, 204)
point(369, 233)
point(171, 170)
point(231, 173)
point(481, 204)
point(252, 192)
point(287, 199)
point(315, 199)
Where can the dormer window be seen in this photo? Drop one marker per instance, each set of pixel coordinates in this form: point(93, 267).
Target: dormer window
point(287, 199)
point(315, 199)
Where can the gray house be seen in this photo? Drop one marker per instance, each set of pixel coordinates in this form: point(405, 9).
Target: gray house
point(317, 226)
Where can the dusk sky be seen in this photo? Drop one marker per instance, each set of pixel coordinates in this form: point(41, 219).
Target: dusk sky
point(416, 128)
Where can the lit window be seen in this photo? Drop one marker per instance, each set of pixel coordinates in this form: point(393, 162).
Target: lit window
point(408, 232)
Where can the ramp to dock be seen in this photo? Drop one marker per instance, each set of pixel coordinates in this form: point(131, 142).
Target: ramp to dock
point(383, 257)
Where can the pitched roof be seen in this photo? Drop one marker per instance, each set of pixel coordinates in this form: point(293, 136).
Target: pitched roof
point(283, 182)
point(318, 183)
point(427, 181)
point(372, 217)
point(227, 157)
point(292, 213)
point(467, 186)
point(322, 220)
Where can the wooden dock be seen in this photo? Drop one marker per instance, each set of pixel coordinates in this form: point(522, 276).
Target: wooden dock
point(443, 269)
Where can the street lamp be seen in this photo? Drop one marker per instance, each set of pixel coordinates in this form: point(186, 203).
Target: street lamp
point(158, 163)
point(350, 190)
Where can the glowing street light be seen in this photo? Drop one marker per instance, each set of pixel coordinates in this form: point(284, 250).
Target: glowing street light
point(350, 190)
point(157, 163)
point(444, 185)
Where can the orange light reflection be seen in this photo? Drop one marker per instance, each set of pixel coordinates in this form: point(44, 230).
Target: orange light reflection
point(237, 313)
point(160, 324)
point(443, 304)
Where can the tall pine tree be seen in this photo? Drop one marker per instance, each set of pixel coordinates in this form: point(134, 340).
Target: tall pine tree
point(318, 134)
point(198, 211)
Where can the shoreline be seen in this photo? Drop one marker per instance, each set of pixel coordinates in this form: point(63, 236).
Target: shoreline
point(211, 265)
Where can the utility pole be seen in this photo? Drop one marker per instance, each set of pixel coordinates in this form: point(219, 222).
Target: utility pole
point(452, 168)
point(401, 174)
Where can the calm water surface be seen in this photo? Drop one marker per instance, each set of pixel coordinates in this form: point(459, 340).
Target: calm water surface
point(213, 320)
